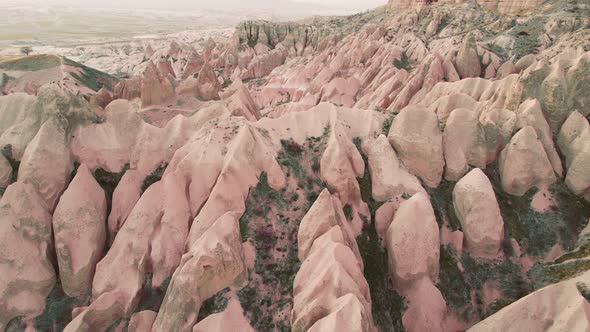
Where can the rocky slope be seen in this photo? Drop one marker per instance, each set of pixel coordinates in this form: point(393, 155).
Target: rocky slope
point(423, 166)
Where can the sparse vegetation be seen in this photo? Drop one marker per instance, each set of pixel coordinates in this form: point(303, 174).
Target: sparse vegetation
point(14, 164)
point(109, 181)
point(155, 176)
point(403, 63)
point(387, 305)
point(527, 37)
point(58, 310)
point(26, 50)
point(215, 304)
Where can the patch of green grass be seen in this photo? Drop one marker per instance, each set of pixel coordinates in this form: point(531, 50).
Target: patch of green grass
point(58, 310)
point(451, 282)
point(226, 83)
point(347, 211)
point(527, 37)
point(14, 164)
point(90, 77)
point(108, 182)
point(538, 232)
point(290, 157)
point(506, 273)
point(155, 176)
point(386, 126)
point(152, 298)
point(387, 305)
point(215, 304)
point(32, 63)
point(442, 202)
point(403, 63)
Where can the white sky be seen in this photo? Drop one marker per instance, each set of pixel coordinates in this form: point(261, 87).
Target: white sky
point(215, 4)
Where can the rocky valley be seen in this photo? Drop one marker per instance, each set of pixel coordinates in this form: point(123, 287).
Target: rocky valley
point(423, 166)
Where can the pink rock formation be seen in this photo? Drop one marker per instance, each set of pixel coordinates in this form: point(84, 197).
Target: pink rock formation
point(25, 234)
point(231, 319)
point(476, 207)
point(524, 163)
point(80, 232)
point(155, 88)
point(49, 147)
point(330, 281)
point(467, 61)
point(215, 262)
point(427, 308)
point(240, 101)
point(389, 177)
point(566, 311)
point(128, 89)
point(573, 142)
point(413, 241)
point(142, 321)
point(416, 137)
point(531, 114)
point(464, 143)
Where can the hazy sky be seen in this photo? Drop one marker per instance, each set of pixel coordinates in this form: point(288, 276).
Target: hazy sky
point(220, 4)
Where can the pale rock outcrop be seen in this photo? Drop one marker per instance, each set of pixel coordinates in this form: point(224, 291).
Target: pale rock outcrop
point(340, 165)
point(80, 232)
point(20, 118)
point(26, 242)
point(412, 241)
point(102, 98)
point(208, 86)
point(511, 7)
point(524, 163)
point(554, 97)
point(155, 88)
point(330, 278)
point(264, 64)
point(507, 68)
point(427, 308)
point(125, 197)
point(231, 319)
point(193, 66)
point(525, 62)
point(240, 102)
point(346, 314)
point(341, 91)
point(416, 136)
point(324, 214)
point(214, 262)
point(389, 178)
point(100, 314)
point(478, 211)
point(531, 114)
point(128, 89)
point(49, 147)
point(142, 321)
point(498, 126)
point(559, 307)
point(573, 141)
point(464, 143)
point(467, 60)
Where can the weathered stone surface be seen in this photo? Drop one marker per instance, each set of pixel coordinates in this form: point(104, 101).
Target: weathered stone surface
point(573, 141)
point(413, 242)
point(80, 233)
point(25, 238)
point(476, 207)
point(467, 61)
point(524, 163)
point(416, 136)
